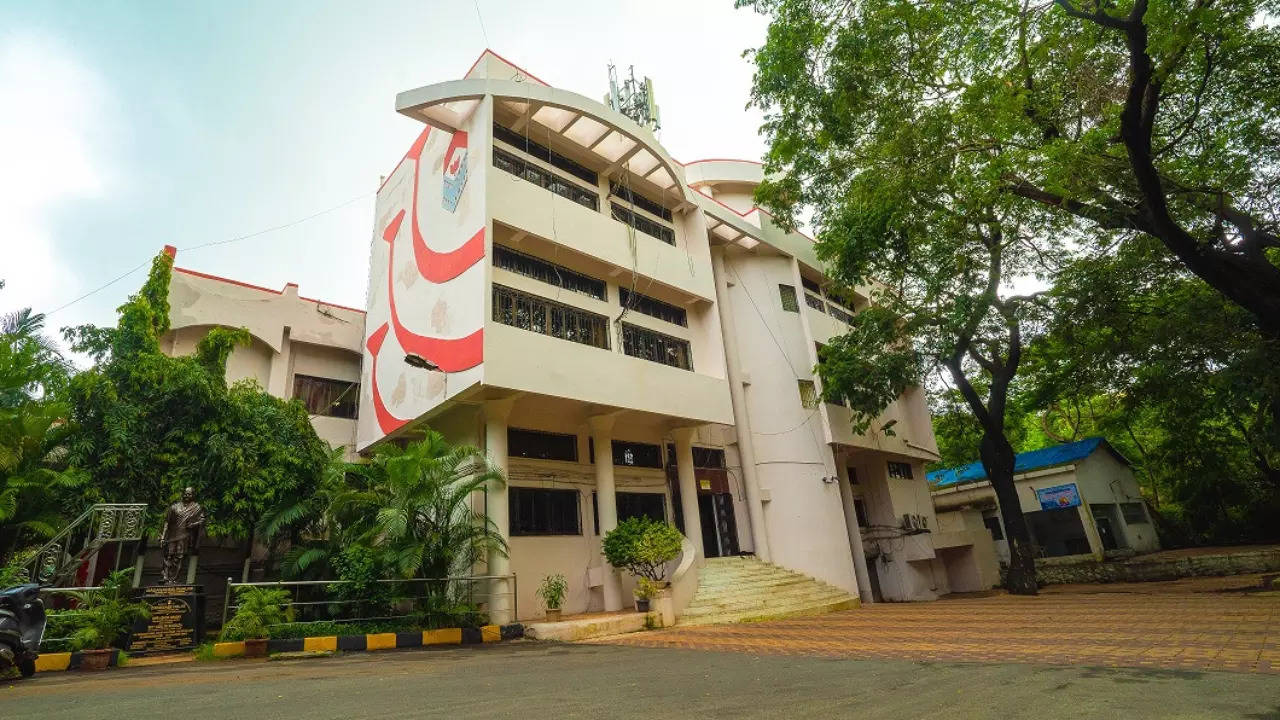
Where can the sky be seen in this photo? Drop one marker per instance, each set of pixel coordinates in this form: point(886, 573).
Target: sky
point(128, 126)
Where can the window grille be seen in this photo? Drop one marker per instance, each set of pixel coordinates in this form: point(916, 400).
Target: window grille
point(540, 511)
point(703, 457)
point(1133, 512)
point(789, 301)
point(839, 314)
point(810, 285)
point(815, 303)
point(656, 347)
point(331, 398)
point(542, 445)
point(634, 504)
point(640, 201)
point(545, 154)
point(653, 307)
point(900, 470)
point(808, 394)
point(530, 312)
point(550, 273)
point(644, 224)
point(545, 179)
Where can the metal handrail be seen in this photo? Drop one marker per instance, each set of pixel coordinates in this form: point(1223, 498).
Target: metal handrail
point(47, 563)
point(232, 586)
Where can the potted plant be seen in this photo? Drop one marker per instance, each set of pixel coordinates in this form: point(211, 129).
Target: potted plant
point(643, 547)
point(552, 592)
point(103, 618)
point(257, 609)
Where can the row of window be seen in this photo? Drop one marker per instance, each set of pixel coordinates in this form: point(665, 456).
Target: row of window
point(530, 312)
point(545, 154)
point(542, 445)
point(652, 228)
point(625, 193)
point(546, 511)
point(790, 302)
point(653, 307)
point(545, 179)
point(656, 347)
point(547, 272)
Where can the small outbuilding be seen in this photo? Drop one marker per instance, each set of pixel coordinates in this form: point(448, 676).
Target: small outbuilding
point(1079, 499)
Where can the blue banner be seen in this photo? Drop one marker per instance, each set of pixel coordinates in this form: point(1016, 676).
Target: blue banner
point(1058, 497)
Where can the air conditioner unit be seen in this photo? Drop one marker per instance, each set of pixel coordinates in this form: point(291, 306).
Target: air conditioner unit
point(924, 522)
point(906, 521)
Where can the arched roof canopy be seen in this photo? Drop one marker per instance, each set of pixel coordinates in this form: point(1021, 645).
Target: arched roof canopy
point(617, 141)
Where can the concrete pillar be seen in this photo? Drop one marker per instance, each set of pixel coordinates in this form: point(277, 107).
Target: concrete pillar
point(688, 488)
point(741, 416)
point(278, 382)
point(855, 534)
point(1091, 529)
point(606, 502)
point(496, 413)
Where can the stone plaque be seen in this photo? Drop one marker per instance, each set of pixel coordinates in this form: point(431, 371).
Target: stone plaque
point(177, 619)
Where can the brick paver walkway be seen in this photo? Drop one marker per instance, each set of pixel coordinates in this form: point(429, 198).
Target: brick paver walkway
point(1177, 629)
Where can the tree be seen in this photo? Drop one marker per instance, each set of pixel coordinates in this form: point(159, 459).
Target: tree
point(150, 425)
point(937, 245)
point(1110, 119)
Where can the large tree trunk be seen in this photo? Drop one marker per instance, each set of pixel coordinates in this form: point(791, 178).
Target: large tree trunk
point(997, 459)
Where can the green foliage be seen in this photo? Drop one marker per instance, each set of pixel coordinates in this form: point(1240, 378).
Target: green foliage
point(1097, 121)
point(410, 506)
point(647, 589)
point(104, 616)
point(552, 591)
point(258, 609)
point(149, 425)
point(360, 569)
point(642, 546)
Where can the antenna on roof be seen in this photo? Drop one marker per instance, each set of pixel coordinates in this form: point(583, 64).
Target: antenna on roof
point(634, 99)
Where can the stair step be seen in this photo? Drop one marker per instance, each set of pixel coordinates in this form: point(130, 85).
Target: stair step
point(740, 588)
point(772, 613)
point(814, 597)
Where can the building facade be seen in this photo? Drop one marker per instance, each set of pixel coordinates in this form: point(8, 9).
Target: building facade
point(624, 334)
point(1080, 499)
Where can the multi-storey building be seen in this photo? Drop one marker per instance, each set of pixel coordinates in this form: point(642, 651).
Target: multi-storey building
point(623, 334)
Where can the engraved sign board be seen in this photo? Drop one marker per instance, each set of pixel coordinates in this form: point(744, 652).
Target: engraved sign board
point(177, 619)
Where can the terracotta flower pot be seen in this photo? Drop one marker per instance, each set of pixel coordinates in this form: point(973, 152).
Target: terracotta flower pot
point(96, 659)
point(553, 614)
point(255, 648)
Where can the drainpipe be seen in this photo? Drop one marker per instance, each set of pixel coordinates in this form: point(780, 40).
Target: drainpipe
point(741, 418)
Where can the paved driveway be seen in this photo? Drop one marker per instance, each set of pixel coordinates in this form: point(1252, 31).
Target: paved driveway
point(1195, 626)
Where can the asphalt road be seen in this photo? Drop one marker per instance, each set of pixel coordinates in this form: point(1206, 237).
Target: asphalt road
point(532, 680)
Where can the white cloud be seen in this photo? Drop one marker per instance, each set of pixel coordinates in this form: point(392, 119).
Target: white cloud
point(48, 108)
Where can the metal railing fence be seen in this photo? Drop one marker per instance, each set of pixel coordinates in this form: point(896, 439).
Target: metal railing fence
point(429, 601)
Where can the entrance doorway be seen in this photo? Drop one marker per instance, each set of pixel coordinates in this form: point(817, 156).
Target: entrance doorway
point(719, 531)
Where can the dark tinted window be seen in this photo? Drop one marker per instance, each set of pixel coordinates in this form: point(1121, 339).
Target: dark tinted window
point(538, 511)
point(640, 201)
point(650, 505)
point(993, 524)
point(542, 445)
point(810, 285)
point(550, 273)
point(900, 470)
point(545, 179)
point(545, 154)
point(322, 396)
point(653, 307)
point(649, 227)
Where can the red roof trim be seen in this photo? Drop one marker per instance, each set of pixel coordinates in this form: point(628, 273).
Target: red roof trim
point(754, 208)
point(251, 286)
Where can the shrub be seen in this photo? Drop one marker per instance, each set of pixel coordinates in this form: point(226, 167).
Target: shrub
point(106, 615)
point(552, 591)
point(642, 547)
point(258, 608)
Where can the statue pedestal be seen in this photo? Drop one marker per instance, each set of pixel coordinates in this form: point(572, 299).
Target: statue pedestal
point(177, 619)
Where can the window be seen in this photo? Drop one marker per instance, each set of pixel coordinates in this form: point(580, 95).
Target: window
point(634, 504)
point(993, 525)
point(530, 312)
point(789, 302)
point(853, 475)
point(703, 457)
point(808, 394)
point(652, 228)
point(542, 445)
point(322, 396)
point(545, 154)
point(1133, 512)
point(815, 302)
point(549, 273)
point(538, 511)
point(655, 347)
point(860, 512)
point(545, 179)
point(631, 454)
point(640, 201)
point(810, 285)
point(653, 307)
point(900, 470)
point(839, 314)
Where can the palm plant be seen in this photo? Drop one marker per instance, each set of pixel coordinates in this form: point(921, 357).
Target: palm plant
point(257, 609)
point(103, 616)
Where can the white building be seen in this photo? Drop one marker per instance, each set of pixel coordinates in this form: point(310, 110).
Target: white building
point(548, 283)
point(1080, 499)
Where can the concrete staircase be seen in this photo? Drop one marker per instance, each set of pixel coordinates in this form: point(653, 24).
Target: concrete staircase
point(734, 589)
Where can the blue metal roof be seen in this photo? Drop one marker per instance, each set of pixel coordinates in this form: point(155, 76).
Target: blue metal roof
point(1024, 462)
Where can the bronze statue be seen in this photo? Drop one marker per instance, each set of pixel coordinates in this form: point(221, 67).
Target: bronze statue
point(181, 532)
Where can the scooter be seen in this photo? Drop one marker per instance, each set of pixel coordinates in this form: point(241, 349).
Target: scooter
point(22, 622)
